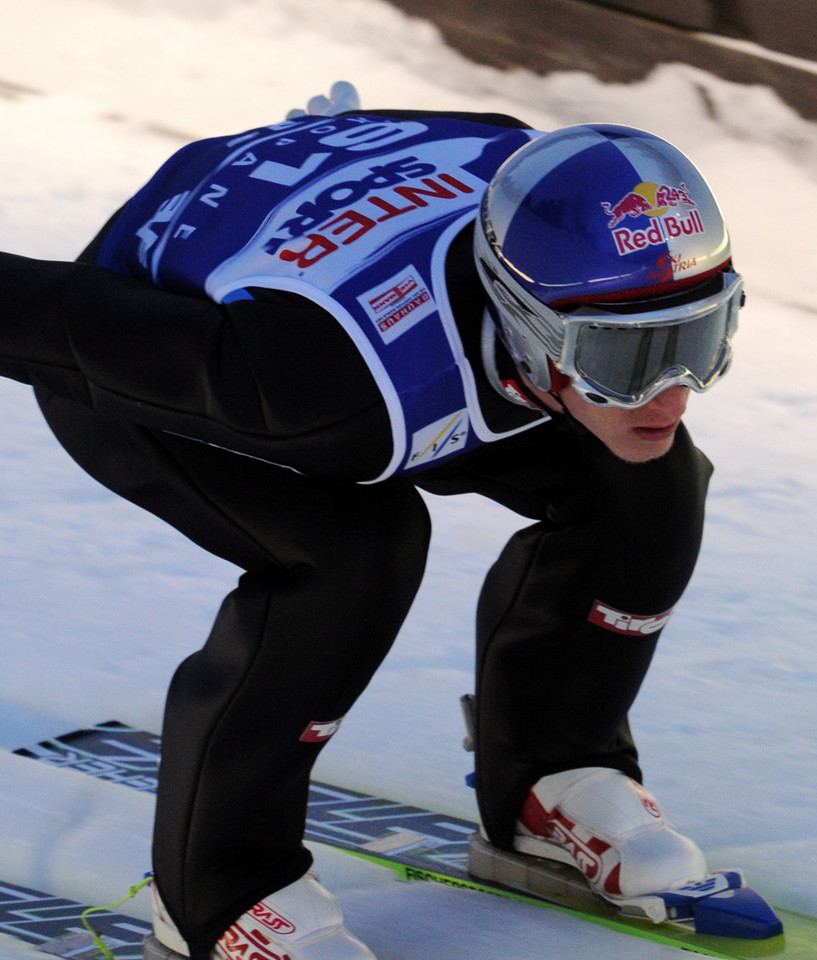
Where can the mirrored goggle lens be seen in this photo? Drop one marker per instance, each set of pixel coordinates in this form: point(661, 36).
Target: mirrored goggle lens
point(624, 361)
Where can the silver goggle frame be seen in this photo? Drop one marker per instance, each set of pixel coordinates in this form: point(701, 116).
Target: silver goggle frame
point(626, 360)
point(618, 355)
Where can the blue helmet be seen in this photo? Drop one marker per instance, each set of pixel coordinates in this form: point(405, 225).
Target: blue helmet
point(606, 259)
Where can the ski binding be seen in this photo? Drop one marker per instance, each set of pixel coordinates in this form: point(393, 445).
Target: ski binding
point(719, 905)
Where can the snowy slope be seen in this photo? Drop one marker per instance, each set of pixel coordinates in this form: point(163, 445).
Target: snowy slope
point(101, 601)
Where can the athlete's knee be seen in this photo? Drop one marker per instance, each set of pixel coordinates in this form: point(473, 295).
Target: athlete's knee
point(392, 545)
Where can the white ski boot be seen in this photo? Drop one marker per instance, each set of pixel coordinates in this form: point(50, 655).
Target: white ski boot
point(301, 922)
point(611, 829)
point(594, 832)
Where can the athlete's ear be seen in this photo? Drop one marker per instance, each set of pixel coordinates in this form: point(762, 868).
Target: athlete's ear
point(342, 97)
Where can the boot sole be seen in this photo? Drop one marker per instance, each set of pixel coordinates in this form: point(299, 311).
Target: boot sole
point(524, 872)
point(154, 950)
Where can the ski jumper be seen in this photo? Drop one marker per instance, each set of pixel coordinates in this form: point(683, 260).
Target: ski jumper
point(272, 346)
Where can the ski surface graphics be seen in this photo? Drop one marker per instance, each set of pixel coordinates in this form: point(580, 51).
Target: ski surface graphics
point(57, 926)
point(421, 845)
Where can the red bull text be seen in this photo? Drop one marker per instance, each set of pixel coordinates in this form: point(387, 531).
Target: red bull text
point(653, 200)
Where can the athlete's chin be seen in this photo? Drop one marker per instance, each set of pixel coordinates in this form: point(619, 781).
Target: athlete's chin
point(635, 450)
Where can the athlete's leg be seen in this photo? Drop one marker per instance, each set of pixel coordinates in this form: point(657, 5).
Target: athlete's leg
point(332, 571)
point(558, 668)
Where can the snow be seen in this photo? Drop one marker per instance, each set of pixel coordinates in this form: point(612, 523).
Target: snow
point(101, 601)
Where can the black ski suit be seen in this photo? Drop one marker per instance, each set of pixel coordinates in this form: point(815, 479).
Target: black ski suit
point(132, 378)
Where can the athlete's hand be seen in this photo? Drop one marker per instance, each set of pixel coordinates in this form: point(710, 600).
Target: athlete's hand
point(342, 97)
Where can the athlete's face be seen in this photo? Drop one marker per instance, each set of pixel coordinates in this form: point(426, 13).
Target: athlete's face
point(638, 435)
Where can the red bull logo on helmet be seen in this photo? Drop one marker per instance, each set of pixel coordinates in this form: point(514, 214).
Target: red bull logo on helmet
point(653, 200)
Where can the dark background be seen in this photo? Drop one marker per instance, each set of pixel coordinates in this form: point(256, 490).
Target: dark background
point(623, 40)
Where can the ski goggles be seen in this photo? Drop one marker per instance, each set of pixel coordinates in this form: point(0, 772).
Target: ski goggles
point(623, 356)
